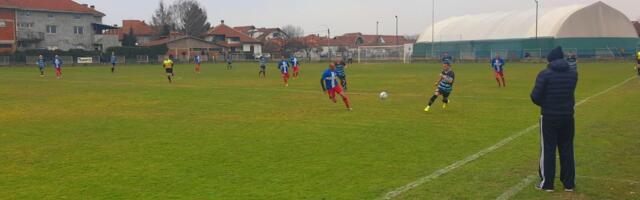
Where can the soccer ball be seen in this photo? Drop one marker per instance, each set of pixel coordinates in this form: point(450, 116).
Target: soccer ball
point(384, 95)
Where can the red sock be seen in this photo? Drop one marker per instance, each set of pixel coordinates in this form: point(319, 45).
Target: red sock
point(346, 101)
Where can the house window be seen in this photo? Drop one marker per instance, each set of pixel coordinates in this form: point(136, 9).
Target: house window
point(50, 15)
point(25, 13)
point(76, 16)
point(25, 25)
point(78, 30)
point(6, 46)
point(3, 24)
point(52, 29)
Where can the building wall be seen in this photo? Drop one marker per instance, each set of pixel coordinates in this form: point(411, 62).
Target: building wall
point(64, 38)
point(517, 48)
point(7, 31)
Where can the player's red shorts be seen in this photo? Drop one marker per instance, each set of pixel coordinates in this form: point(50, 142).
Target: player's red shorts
point(285, 75)
point(499, 74)
point(296, 69)
point(333, 91)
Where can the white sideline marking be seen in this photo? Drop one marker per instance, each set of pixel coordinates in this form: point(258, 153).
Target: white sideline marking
point(526, 181)
point(457, 164)
point(517, 188)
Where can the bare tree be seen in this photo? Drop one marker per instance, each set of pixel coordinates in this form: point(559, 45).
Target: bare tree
point(162, 20)
point(191, 17)
point(293, 39)
point(292, 31)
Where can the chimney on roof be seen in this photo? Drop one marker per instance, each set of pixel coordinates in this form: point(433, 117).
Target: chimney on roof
point(222, 21)
point(92, 7)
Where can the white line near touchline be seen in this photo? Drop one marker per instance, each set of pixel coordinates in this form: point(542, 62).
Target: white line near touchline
point(517, 188)
point(457, 164)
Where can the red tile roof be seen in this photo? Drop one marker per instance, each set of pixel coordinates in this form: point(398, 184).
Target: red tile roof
point(229, 32)
point(351, 40)
point(140, 28)
point(49, 5)
point(244, 29)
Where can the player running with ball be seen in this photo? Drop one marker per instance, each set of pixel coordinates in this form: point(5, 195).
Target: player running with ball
point(330, 85)
point(444, 86)
point(284, 69)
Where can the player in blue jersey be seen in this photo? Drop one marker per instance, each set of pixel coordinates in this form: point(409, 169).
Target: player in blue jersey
point(497, 64)
point(41, 64)
point(283, 65)
point(114, 61)
point(198, 61)
point(263, 67)
point(296, 67)
point(329, 82)
point(340, 70)
point(446, 58)
point(444, 86)
point(57, 63)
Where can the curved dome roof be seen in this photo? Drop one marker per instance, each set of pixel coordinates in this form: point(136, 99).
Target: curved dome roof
point(576, 21)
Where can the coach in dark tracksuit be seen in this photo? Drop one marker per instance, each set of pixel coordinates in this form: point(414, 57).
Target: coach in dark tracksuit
point(554, 93)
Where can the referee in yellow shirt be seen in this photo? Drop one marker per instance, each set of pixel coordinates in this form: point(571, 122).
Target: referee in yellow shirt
point(168, 67)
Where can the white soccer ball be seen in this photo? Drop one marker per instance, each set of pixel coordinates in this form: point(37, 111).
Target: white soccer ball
point(384, 95)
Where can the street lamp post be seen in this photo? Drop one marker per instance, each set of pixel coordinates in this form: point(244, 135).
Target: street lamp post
point(377, 25)
point(537, 8)
point(397, 38)
point(433, 26)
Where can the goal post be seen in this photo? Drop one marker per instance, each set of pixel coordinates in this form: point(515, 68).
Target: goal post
point(395, 53)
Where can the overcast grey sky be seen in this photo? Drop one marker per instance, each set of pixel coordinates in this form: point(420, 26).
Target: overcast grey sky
point(341, 16)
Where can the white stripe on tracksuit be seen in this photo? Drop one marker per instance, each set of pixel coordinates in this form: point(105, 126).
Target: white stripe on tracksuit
point(542, 151)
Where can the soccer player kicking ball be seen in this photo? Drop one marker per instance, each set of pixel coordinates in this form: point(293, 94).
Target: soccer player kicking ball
point(263, 67)
point(444, 86)
point(114, 61)
point(168, 68)
point(497, 64)
point(41, 64)
point(296, 67)
point(198, 61)
point(330, 85)
point(284, 69)
point(57, 63)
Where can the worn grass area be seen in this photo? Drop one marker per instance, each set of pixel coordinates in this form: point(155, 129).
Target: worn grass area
point(229, 135)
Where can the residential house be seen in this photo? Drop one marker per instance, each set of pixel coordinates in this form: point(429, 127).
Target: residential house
point(52, 24)
point(234, 41)
point(272, 38)
point(348, 43)
point(141, 30)
point(186, 47)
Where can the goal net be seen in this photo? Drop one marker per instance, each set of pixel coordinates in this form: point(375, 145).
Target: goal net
point(396, 53)
point(142, 59)
point(5, 60)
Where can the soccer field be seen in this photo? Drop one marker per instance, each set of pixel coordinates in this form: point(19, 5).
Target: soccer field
point(230, 135)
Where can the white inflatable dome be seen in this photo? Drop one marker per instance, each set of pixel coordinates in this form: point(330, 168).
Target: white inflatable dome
point(576, 21)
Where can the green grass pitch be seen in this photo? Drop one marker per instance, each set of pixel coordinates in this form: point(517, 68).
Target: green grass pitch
point(230, 135)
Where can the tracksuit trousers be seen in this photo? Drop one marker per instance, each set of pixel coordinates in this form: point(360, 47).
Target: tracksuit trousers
point(557, 132)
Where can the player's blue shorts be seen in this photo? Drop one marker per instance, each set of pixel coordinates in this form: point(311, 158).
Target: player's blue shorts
point(444, 91)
